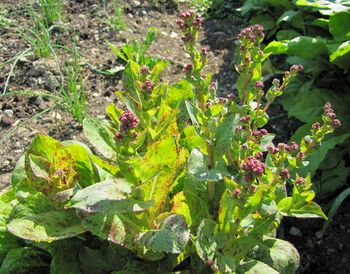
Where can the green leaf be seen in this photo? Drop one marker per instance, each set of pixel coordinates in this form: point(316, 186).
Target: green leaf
point(195, 114)
point(224, 133)
point(339, 26)
point(97, 132)
point(255, 267)
point(264, 19)
point(206, 245)
point(278, 254)
point(198, 167)
point(179, 92)
point(46, 227)
point(25, 260)
point(286, 16)
point(302, 46)
point(108, 197)
point(106, 226)
point(341, 56)
point(66, 256)
point(300, 210)
point(286, 35)
point(171, 237)
point(325, 7)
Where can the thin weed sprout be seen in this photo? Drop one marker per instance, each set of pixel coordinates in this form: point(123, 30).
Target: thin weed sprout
point(73, 93)
point(39, 37)
point(51, 10)
point(116, 21)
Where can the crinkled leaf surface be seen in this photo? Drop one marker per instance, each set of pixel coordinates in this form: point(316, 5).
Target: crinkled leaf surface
point(46, 227)
point(108, 197)
point(171, 237)
point(24, 260)
point(280, 255)
point(255, 267)
point(325, 7)
point(198, 167)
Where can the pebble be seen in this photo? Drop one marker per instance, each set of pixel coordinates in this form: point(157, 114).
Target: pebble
point(135, 3)
point(6, 163)
point(39, 101)
point(8, 112)
point(173, 34)
point(294, 231)
point(96, 94)
point(101, 117)
point(7, 121)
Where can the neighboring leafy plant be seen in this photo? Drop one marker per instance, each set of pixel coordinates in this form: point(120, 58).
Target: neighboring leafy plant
point(315, 34)
point(51, 11)
point(184, 180)
point(116, 21)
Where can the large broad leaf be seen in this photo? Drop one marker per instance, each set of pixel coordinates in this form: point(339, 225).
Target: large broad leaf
point(108, 197)
point(255, 267)
point(325, 7)
point(198, 167)
point(206, 245)
point(179, 92)
point(65, 256)
point(106, 226)
point(341, 55)
point(171, 237)
point(46, 227)
point(280, 255)
point(302, 46)
point(339, 26)
point(25, 260)
point(98, 133)
point(158, 170)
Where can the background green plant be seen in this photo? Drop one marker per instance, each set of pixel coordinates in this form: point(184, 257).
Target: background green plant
point(51, 11)
point(315, 35)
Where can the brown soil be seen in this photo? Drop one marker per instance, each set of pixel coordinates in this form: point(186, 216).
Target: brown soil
point(21, 118)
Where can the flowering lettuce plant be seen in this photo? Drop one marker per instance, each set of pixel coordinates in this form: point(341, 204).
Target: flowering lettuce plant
point(184, 180)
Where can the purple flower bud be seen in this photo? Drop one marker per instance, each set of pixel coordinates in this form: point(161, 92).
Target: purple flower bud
point(128, 121)
point(286, 74)
point(147, 86)
point(259, 84)
point(276, 82)
point(204, 52)
point(197, 23)
point(301, 155)
point(336, 123)
point(299, 181)
point(239, 128)
point(331, 115)
point(253, 166)
point(245, 119)
point(188, 37)
point(296, 68)
point(236, 192)
point(253, 188)
point(209, 104)
point(256, 133)
point(259, 155)
point(231, 96)
point(242, 48)
point(180, 23)
point(285, 173)
point(188, 68)
point(144, 70)
point(316, 126)
point(118, 136)
point(249, 178)
point(222, 100)
point(294, 146)
point(263, 131)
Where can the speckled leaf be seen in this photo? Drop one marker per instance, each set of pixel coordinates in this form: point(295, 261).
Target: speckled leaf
point(280, 255)
point(108, 197)
point(105, 226)
point(172, 236)
point(46, 227)
point(255, 267)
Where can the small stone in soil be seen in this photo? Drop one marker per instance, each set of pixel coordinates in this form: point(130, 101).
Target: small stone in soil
point(8, 112)
point(294, 231)
point(7, 121)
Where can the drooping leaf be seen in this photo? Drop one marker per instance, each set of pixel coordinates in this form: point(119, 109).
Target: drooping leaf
point(224, 134)
point(255, 267)
point(108, 197)
point(339, 26)
point(97, 132)
point(23, 260)
point(171, 237)
point(278, 254)
point(341, 55)
point(46, 227)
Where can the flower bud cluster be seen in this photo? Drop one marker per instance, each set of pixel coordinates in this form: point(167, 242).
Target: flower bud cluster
point(251, 34)
point(144, 70)
point(148, 86)
point(259, 133)
point(128, 120)
point(189, 25)
point(253, 166)
point(330, 116)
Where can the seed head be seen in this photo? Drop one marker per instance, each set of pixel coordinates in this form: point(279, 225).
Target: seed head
point(128, 121)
